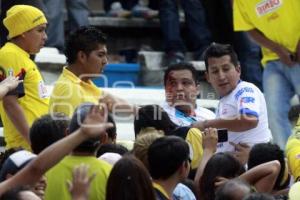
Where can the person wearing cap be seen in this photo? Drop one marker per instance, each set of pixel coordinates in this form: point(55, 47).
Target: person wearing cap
point(26, 26)
point(85, 153)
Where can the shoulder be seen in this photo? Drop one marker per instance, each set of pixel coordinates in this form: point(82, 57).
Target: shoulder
point(205, 113)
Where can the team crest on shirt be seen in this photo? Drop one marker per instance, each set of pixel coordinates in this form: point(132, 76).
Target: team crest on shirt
point(267, 6)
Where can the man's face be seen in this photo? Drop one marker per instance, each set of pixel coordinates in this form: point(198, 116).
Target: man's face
point(222, 74)
point(35, 39)
point(95, 62)
point(181, 88)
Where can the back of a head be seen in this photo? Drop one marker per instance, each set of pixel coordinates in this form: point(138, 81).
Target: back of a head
point(129, 180)
point(234, 189)
point(15, 162)
point(218, 50)
point(166, 155)
point(112, 148)
point(265, 152)
point(141, 145)
point(181, 66)
point(231, 168)
point(90, 145)
point(46, 130)
point(259, 196)
point(153, 116)
point(22, 18)
point(84, 39)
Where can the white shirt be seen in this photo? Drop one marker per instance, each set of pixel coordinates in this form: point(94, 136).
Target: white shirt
point(247, 99)
point(178, 117)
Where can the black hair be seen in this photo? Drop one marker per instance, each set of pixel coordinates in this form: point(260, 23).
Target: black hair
point(218, 50)
point(113, 148)
point(181, 66)
point(166, 155)
point(265, 152)
point(153, 116)
point(220, 164)
point(46, 130)
point(228, 191)
point(258, 196)
point(90, 145)
point(129, 180)
point(86, 39)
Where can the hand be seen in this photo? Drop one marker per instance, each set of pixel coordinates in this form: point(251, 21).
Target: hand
point(10, 82)
point(220, 181)
point(80, 185)
point(210, 139)
point(241, 152)
point(285, 55)
point(94, 124)
point(199, 125)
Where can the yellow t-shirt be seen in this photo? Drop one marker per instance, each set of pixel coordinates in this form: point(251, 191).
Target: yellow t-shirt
point(278, 20)
point(69, 92)
point(194, 139)
point(34, 103)
point(58, 176)
point(292, 151)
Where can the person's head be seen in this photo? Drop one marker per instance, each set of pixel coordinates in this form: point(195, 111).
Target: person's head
point(112, 148)
point(181, 85)
point(258, 196)
point(219, 165)
point(27, 25)
point(129, 180)
point(153, 116)
point(234, 189)
point(265, 152)
point(19, 193)
point(90, 145)
point(222, 68)
point(46, 130)
point(87, 48)
point(14, 163)
point(141, 145)
point(169, 157)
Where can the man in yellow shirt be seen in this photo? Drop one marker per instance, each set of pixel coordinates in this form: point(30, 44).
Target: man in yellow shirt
point(274, 24)
point(86, 54)
point(26, 26)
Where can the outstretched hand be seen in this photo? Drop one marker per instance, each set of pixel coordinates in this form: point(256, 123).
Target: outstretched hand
point(79, 187)
point(95, 122)
point(210, 139)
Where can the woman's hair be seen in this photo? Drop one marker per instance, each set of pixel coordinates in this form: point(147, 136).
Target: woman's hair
point(219, 165)
point(141, 145)
point(129, 180)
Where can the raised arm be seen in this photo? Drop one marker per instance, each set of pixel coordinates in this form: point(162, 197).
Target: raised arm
point(93, 126)
point(263, 176)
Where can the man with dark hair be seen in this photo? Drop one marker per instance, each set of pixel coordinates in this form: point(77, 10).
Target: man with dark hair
point(46, 130)
point(265, 152)
point(169, 164)
point(86, 54)
point(181, 90)
point(83, 153)
point(242, 107)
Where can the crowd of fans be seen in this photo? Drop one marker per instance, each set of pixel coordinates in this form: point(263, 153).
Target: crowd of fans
point(64, 145)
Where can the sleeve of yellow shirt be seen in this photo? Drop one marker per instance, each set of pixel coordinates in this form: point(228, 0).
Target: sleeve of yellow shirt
point(10, 61)
point(194, 139)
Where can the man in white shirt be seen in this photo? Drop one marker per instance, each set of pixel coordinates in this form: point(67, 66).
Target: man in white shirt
point(181, 89)
point(242, 107)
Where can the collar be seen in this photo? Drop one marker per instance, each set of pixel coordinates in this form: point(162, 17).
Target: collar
point(72, 77)
point(160, 189)
point(19, 49)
